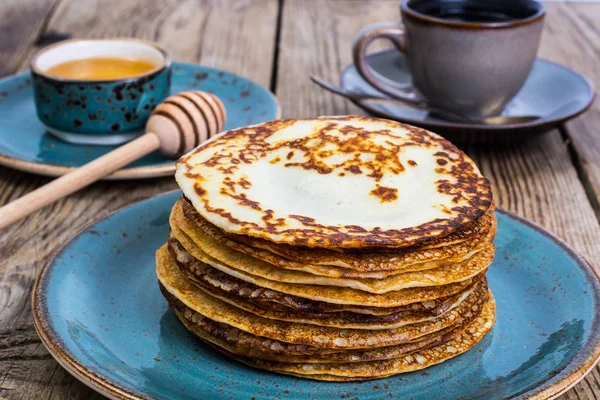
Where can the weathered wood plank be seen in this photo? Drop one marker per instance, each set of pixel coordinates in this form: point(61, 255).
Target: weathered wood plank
point(316, 39)
point(536, 180)
point(572, 38)
point(237, 35)
point(20, 24)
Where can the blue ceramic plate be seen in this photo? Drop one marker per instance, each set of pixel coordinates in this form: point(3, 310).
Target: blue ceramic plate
point(25, 145)
point(98, 309)
point(552, 91)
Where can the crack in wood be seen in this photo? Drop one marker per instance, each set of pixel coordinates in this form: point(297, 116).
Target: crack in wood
point(276, 45)
point(19, 343)
point(28, 357)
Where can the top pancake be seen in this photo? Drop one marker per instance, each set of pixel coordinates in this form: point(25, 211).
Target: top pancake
point(334, 182)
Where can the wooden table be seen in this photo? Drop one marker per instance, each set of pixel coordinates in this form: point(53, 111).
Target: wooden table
point(554, 180)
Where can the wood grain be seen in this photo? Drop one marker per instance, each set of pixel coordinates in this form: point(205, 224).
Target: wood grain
point(536, 180)
point(572, 38)
point(316, 39)
point(237, 35)
point(21, 22)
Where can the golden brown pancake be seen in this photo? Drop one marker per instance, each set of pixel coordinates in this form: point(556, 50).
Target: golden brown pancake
point(247, 345)
point(336, 295)
point(213, 253)
point(229, 291)
point(370, 263)
point(221, 284)
point(301, 182)
point(414, 361)
point(339, 320)
point(439, 276)
point(213, 279)
point(177, 284)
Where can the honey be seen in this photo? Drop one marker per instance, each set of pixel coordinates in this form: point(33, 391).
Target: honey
point(101, 68)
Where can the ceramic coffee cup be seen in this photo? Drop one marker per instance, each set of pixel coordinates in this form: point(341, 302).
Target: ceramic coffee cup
point(103, 112)
point(466, 56)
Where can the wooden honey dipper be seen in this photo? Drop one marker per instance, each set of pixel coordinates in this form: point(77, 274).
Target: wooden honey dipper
point(176, 126)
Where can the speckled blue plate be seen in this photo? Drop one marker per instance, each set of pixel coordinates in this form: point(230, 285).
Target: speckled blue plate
point(25, 145)
point(98, 309)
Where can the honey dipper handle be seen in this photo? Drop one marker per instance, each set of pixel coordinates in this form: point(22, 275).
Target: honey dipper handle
point(79, 178)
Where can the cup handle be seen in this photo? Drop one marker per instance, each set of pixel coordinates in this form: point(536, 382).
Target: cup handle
point(362, 41)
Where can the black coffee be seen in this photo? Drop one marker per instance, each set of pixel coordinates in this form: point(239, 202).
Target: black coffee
point(485, 11)
point(466, 15)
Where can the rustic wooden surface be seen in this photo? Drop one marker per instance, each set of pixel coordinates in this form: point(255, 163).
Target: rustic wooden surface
point(554, 181)
point(572, 38)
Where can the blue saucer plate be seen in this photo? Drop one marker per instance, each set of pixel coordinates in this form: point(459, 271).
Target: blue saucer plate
point(99, 311)
point(25, 145)
point(552, 91)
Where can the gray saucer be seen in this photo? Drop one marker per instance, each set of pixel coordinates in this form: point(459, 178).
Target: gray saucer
point(552, 91)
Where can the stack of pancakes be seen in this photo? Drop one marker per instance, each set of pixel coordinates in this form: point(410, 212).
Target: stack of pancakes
point(338, 248)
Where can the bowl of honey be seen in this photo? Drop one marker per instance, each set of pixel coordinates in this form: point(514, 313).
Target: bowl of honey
point(99, 91)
